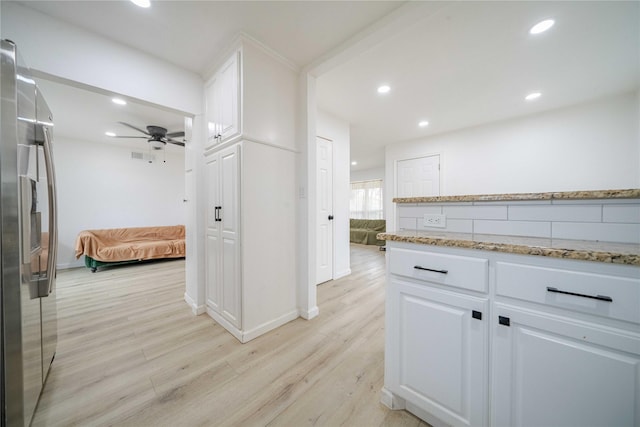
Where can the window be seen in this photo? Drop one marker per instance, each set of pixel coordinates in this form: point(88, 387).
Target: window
point(366, 200)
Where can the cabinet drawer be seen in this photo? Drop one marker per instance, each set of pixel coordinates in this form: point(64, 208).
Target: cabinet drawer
point(451, 270)
point(603, 295)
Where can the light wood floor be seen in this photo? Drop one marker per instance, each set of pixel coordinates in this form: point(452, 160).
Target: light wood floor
point(131, 353)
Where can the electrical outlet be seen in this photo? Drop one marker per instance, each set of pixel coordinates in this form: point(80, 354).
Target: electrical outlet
point(435, 220)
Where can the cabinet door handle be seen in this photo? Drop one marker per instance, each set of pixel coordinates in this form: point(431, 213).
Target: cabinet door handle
point(417, 267)
point(220, 213)
point(217, 213)
point(598, 297)
point(476, 314)
point(505, 321)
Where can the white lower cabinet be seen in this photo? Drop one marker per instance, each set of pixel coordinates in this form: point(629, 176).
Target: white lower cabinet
point(437, 351)
point(561, 339)
point(554, 371)
point(250, 287)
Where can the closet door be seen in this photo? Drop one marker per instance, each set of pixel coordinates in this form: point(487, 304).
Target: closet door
point(213, 249)
point(229, 220)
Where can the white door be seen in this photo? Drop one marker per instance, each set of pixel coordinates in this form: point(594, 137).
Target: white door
point(228, 219)
point(418, 177)
point(548, 371)
point(229, 96)
point(213, 253)
point(440, 357)
point(324, 202)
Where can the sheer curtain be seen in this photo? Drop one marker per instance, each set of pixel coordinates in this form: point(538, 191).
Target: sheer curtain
point(366, 200)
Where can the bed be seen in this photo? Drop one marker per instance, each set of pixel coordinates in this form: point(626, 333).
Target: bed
point(117, 246)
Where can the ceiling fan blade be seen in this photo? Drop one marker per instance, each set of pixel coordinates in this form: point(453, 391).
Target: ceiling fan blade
point(118, 136)
point(174, 134)
point(173, 141)
point(133, 127)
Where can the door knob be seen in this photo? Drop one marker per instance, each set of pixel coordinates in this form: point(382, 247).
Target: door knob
point(330, 217)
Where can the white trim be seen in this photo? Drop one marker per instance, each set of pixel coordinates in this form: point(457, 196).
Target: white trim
point(390, 400)
point(310, 314)
point(246, 336)
point(195, 309)
point(69, 265)
point(268, 326)
point(341, 274)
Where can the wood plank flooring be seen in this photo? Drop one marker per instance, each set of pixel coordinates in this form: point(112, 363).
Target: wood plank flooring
point(130, 353)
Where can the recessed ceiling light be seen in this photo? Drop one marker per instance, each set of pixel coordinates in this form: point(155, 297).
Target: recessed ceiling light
point(423, 123)
point(110, 134)
point(542, 26)
point(384, 89)
point(142, 3)
point(532, 96)
point(119, 101)
point(354, 163)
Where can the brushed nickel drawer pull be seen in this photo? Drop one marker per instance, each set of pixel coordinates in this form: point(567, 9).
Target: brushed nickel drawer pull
point(417, 267)
point(598, 297)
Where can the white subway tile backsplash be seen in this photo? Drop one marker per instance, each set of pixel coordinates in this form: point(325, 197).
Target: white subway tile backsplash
point(625, 213)
point(574, 213)
point(612, 220)
point(605, 232)
point(407, 224)
point(453, 225)
point(512, 202)
point(418, 211)
point(514, 228)
point(475, 212)
point(595, 202)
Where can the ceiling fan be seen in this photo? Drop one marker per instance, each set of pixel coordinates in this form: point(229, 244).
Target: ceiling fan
point(157, 136)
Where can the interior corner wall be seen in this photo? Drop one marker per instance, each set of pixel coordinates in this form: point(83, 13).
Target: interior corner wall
point(59, 49)
point(269, 98)
point(101, 186)
point(588, 146)
point(337, 130)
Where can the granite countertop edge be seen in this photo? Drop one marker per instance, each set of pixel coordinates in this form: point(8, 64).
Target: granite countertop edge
point(628, 257)
point(632, 193)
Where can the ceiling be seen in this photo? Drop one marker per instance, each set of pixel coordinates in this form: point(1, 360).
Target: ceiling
point(84, 115)
point(472, 63)
point(459, 64)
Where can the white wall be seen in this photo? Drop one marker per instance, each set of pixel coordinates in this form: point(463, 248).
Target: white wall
point(101, 186)
point(337, 130)
point(368, 174)
point(589, 146)
point(269, 98)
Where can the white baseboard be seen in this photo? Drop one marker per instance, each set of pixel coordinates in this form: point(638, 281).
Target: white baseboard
point(268, 326)
point(195, 309)
point(309, 314)
point(342, 274)
point(246, 336)
point(390, 400)
point(67, 265)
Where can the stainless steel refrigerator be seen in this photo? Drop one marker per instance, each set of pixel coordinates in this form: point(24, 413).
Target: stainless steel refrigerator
point(28, 240)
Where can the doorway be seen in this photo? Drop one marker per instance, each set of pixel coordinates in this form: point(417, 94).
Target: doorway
point(324, 204)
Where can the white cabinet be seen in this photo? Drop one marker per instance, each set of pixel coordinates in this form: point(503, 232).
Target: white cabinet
point(250, 287)
point(223, 254)
point(551, 370)
point(223, 104)
point(564, 339)
point(437, 340)
point(583, 370)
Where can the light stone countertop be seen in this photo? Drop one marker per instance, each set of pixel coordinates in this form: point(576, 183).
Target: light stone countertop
point(633, 193)
point(614, 253)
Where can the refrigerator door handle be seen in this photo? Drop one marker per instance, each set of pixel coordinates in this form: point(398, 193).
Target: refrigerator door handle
point(53, 215)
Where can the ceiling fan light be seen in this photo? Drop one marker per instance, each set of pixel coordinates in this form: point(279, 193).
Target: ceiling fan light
point(156, 144)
